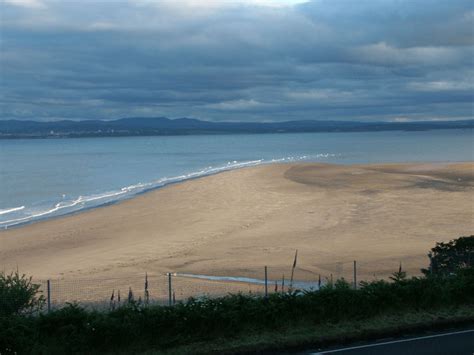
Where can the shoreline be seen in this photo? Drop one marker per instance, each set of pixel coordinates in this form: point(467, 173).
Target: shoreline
point(171, 182)
point(235, 222)
point(221, 169)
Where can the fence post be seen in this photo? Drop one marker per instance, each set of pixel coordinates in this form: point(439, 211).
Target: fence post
point(266, 282)
point(48, 290)
point(355, 275)
point(170, 296)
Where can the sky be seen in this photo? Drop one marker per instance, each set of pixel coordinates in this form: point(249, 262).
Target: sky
point(242, 60)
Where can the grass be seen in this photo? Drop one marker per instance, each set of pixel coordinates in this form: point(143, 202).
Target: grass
point(298, 337)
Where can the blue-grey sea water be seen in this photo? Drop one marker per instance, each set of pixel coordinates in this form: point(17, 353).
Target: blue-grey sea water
point(42, 178)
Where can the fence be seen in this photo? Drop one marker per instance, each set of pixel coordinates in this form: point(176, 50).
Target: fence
point(167, 289)
point(151, 289)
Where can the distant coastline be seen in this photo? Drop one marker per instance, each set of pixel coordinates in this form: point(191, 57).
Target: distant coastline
point(162, 126)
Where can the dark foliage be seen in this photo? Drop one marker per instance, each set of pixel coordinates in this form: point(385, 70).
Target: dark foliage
point(18, 295)
point(137, 327)
point(447, 258)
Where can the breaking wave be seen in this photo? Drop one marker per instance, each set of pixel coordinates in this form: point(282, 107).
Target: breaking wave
point(22, 214)
point(10, 210)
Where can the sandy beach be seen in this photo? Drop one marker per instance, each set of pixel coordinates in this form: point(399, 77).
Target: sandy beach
point(235, 222)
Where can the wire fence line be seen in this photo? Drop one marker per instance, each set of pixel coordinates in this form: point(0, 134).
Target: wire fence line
point(164, 289)
point(170, 288)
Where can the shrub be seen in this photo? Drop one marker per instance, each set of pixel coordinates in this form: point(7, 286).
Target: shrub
point(447, 258)
point(19, 295)
point(133, 328)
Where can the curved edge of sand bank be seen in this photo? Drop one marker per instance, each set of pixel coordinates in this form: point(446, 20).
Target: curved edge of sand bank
point(234, 222)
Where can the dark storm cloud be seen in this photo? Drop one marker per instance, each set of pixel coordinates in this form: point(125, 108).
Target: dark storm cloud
point(245, 60)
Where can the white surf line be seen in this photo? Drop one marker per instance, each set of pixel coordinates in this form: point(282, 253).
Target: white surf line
point(10, 210)
point(393, 342)
point(144, 186)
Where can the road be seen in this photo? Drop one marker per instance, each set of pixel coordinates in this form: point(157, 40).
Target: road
point(453, 343)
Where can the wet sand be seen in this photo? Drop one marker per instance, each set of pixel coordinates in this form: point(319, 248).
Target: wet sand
point(235, 222)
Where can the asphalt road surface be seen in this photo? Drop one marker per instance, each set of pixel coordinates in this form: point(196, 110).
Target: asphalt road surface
point(453, 343)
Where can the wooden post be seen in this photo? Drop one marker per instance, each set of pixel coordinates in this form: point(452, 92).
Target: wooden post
point(355, 275)
point(170, 293)
point(293, 271)
point(431, 264)
point(266, 282)
point(48, 290)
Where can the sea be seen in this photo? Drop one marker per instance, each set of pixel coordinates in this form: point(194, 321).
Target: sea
point(46, 178)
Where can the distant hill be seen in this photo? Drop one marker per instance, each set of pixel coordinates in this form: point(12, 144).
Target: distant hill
point(162, 126)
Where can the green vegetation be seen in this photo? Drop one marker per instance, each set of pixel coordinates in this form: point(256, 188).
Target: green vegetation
point(247, 322)
point(304, 336)
point(18, 295)
point(447, 258)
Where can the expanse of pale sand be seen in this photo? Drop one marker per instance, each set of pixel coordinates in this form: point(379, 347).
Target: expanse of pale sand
point(235, 222)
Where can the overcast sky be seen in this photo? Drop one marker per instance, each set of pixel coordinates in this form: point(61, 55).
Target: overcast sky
point(246, 60)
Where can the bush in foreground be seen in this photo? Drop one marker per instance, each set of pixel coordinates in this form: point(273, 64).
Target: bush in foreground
point(75, 330)
point(448, 257)
point(18, 295)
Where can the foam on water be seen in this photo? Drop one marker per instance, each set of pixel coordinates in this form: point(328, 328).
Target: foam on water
point(83, 202)
point(10, 210)
point(66, 176)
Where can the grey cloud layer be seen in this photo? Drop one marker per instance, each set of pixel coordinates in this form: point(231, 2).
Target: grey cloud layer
point(364, 60)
